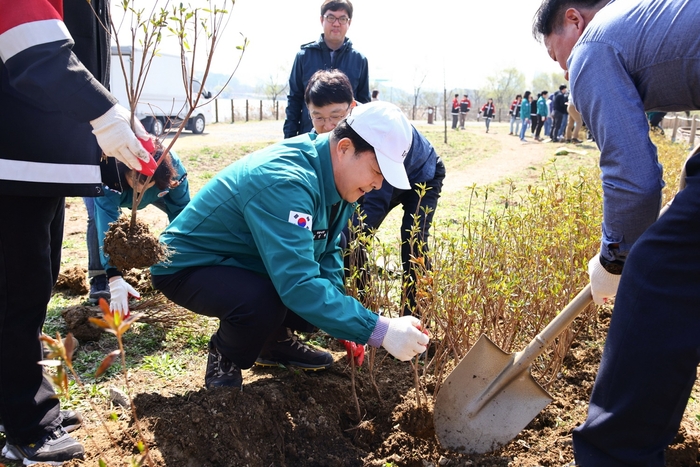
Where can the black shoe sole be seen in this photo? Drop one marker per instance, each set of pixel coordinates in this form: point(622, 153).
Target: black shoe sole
point(302, 366)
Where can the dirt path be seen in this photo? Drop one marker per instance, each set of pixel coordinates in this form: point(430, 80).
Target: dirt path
point(514, 159)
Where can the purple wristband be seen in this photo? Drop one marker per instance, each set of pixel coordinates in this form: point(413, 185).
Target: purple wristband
point(377, 337)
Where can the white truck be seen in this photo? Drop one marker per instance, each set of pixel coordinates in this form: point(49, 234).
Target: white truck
point(163, 102)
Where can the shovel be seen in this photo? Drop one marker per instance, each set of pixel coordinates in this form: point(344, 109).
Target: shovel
point(491, 396)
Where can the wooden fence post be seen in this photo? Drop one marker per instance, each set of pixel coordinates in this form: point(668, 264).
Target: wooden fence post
point(232, 114)
point(693, 129)
point(676, 122)
point(277, 110)
point(246, 110)
point(261, 110)
point(216, 110)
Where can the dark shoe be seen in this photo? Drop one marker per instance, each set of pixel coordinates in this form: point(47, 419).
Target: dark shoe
point(221, 372)
point(54, 449)
point(71, 421)
point(576, 141)
point(99, 288)
point(290, 351)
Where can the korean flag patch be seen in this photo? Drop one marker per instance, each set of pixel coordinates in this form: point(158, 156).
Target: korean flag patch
point(301, 219)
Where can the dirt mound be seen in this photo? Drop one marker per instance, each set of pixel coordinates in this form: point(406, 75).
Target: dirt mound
point(72, 281)
point(285, 417)
point(77, 321)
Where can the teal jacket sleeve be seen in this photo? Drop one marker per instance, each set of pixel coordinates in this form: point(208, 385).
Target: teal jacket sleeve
point(288, 254)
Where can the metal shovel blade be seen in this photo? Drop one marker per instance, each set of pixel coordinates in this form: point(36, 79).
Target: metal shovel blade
point(491, 396)
point(501, 419)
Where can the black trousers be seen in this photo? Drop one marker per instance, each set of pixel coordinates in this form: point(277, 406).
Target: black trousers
point(31, 233)
point(557, 119)
point(376, 208)
point(540, 124)
point(246, 303)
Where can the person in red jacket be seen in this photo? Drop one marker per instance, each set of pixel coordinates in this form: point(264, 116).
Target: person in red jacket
point(51, 81)
point(455, 111)
point(465, 106)
point(488, 111)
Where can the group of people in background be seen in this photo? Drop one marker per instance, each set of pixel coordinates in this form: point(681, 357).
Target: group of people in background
point(552, 116)
point(556, 116)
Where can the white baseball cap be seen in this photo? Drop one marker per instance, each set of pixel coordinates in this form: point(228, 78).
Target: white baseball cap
point(384, 127)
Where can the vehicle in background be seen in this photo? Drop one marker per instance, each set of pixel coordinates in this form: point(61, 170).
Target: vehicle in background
point(163, 101)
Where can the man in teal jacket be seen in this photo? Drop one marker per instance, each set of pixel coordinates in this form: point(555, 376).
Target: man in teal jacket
point(258, 247)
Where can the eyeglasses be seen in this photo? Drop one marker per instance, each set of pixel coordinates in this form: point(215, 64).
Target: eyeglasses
point(330, 19)
point(332, 119)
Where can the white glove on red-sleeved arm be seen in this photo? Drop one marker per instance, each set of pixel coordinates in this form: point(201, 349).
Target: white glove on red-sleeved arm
point(120, 290)
point(404, 338)
point(603, 284)
point(117, 139)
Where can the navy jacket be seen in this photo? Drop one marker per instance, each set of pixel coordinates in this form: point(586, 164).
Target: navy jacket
point(316, 56)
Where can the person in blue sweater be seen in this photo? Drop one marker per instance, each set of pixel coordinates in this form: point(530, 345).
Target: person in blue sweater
point(259, 247)
point(328, 97)
point(623, 58)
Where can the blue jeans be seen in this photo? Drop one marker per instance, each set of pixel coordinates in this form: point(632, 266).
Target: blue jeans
point(516, 120)
point(557, 119)
point(523, 129)
point(564, 122)
point(652, 350)
point(94, 262)
point(547, 125)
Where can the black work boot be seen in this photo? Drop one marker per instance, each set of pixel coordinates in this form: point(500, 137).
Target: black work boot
point(53, 449)
point(99, 288)
point(284, 348)
point(221, 372)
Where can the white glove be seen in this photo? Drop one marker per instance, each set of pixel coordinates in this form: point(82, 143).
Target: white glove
point(404, 339)
point(118, 140)
point(120, 291)
point(603, 284)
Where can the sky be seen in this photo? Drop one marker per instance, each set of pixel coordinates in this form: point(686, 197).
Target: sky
point(455, 44)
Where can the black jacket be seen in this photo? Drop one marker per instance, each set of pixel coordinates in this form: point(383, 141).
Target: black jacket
point(50, 89)
point(316, 56)
point(559, 102)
